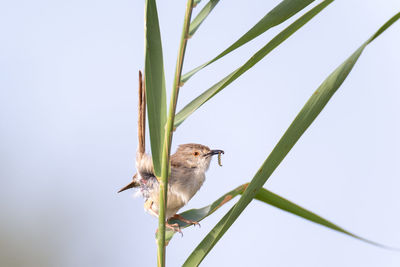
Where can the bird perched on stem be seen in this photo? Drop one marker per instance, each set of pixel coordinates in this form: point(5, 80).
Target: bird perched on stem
point(188, 167)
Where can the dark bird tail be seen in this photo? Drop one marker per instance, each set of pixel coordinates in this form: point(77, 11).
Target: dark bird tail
point(132, 184)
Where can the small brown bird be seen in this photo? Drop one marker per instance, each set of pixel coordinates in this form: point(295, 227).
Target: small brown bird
point(188, 167)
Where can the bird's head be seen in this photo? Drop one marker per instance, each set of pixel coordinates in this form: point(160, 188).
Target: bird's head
point(194, 156)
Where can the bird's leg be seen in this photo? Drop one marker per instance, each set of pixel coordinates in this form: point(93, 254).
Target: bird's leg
point(174, 227)
point(179, 217)
point(148, 205)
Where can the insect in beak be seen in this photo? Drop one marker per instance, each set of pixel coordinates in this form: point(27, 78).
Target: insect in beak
point(214, 152)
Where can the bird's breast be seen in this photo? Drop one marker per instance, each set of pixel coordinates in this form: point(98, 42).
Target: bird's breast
point(186, 183)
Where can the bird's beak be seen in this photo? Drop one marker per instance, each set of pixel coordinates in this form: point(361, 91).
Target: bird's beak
point(214, 152)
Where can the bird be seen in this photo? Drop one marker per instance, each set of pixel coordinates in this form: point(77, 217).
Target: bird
point(188, 167)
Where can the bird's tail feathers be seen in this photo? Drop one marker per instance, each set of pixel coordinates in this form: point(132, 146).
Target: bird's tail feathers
point(132, 184)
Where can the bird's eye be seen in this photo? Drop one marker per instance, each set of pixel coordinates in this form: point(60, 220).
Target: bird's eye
point(196, 153)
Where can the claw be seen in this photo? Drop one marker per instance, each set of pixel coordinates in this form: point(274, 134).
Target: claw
point(174, 227)
point(182, 219)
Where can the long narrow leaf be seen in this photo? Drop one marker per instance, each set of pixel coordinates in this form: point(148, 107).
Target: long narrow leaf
point(300, 124)
point(200, 214)
point(203, 14)
point(284, 204)
point(155, 83)
point(276, 41)
point(282, 12)
point(265, 196)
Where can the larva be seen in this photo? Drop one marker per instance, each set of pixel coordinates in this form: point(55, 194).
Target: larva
point(219, 159)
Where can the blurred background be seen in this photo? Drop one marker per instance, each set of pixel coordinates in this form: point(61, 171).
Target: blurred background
point(68, 102)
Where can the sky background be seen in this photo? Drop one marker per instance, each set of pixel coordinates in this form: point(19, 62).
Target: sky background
point(68, 102)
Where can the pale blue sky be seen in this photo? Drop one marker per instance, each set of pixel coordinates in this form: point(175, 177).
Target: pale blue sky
point(68, 85)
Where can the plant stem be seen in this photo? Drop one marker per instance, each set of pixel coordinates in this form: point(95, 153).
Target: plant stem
point(165, 169)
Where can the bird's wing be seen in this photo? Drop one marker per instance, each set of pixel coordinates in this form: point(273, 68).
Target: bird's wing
point(144, 166)
point(145, 174)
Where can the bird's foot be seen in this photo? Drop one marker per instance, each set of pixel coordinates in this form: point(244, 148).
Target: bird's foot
point(174, 227)
point(182, 219)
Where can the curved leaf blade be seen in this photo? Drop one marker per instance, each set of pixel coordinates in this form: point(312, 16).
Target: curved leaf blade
point(283, 11)
point(267, 197)
point(200, 214)
point(275, 42)
point(154, 84)
point(279, 202)
point(300, 124)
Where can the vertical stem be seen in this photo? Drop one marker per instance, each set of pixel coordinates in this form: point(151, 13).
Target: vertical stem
point(165, 169)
